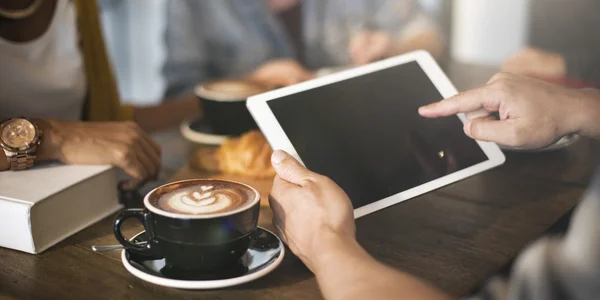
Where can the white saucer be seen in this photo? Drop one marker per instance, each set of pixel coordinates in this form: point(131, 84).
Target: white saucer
point(561, 144)
point(264, 255)
point(198, 131)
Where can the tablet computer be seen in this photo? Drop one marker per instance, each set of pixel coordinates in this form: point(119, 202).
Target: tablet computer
point(362, 129)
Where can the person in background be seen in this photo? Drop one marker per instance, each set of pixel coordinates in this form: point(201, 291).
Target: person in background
point(563, 43)
point(56, 74)
point(280, 42)
point(315, 218)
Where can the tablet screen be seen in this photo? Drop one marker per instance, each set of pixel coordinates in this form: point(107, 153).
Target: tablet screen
point(365, 133)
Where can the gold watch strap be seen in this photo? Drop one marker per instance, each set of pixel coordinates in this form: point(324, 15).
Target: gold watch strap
point(21, 161)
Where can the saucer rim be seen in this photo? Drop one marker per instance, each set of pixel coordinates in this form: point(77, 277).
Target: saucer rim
point(202, 284)
point(200, 137)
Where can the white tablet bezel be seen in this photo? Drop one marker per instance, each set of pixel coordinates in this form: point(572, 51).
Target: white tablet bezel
point(266, 120)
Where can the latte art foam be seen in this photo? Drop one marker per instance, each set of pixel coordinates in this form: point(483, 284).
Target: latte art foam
point(204, 200)
point(229, 90)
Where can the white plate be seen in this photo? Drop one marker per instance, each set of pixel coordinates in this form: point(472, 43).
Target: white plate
point(198, 132)
point(264, 255)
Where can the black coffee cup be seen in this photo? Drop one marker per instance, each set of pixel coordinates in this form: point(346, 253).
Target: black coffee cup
point(224, 103)
point(206, 243)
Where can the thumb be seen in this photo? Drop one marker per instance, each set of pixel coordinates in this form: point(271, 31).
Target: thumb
point(490, 130)
point(289, 169)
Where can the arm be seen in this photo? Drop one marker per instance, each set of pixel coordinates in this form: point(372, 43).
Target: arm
point(48, 148)
point(121, 144)
point(347, 265)
point(315, 218)
point(167, 114)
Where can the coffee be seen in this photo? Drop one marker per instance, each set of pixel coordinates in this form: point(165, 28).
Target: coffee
point(211, 198)
point(229, 90)
point(200, 225)
point(224, 105)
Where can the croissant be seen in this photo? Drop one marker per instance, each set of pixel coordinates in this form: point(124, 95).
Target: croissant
point(247, 155)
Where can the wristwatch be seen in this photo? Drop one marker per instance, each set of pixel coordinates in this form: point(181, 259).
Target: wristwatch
point(19, 138)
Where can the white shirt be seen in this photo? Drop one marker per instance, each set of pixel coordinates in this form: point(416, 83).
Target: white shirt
point(45, 77)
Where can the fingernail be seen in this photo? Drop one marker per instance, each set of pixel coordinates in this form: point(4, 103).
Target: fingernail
point(278, 156)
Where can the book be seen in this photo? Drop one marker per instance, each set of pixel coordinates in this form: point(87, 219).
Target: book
point(44, 205)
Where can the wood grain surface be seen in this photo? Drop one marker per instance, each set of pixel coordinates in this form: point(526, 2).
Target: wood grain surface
point(454, 237)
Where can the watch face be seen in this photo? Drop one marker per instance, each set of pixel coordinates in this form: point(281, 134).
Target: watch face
point(18, 133)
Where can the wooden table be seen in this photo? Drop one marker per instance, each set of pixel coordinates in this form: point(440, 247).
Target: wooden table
point(454, 237)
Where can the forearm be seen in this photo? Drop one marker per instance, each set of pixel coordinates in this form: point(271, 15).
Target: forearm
point(167, 114)
point(588, 117)
point(348, 272)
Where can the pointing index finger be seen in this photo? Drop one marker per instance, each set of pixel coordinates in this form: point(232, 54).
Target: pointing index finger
point(462, 103)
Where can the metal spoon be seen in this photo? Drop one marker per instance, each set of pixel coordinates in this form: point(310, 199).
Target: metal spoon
point(113, 247)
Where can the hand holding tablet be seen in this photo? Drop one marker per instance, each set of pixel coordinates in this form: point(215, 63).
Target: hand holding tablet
point(328, 213)
point(361, 128)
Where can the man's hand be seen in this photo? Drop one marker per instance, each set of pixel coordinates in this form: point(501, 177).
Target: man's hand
point(312, 214)
point(370, 46)
point(537, 63)
point(280, 73)
point(533, 114)
point(122, 144)
point(314, 217)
